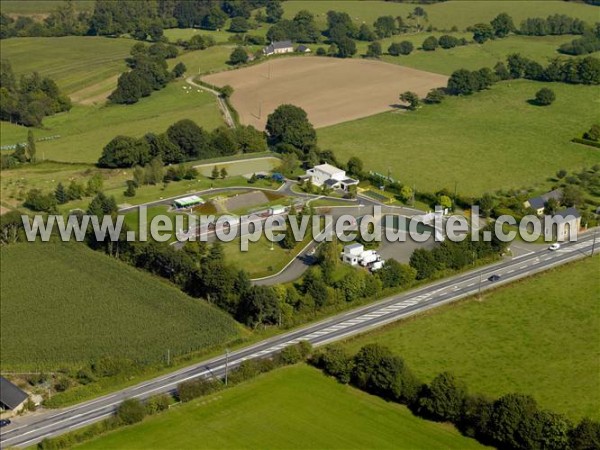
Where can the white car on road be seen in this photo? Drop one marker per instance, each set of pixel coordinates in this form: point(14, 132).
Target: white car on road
point(554, 246)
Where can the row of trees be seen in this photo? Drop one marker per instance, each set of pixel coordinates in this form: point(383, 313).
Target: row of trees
point(589, 43)
point(149, 72)
point(183, 141)
point(31, 99)
point(575, 70)
point(140, 19)
point(512, 421)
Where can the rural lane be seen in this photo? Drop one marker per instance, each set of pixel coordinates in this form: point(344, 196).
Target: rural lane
point(28, 430)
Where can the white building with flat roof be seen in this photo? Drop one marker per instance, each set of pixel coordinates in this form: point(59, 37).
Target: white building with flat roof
point(330, 176)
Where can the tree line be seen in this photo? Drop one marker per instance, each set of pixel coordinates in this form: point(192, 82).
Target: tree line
point(142, 19)
point(29, 100)
point(183, 141)
point(512, 421)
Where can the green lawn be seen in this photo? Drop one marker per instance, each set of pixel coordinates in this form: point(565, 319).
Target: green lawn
point(443, 15)
point(484, 142)
point(539, 336)
point(74, 62)
point(290, 408)
point(262, 258)
point(220, 36)
point(266, 164)
point(85, 130)
point(65, 304)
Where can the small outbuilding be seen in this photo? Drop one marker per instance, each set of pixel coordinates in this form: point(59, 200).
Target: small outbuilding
point(352, 253)
point(188, 202)
point(302, 49)
point(12, 398)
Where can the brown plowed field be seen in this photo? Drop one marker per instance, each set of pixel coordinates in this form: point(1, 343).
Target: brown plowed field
point(330, 90)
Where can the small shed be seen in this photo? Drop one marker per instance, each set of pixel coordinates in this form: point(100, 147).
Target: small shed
point(303, 49)
point(12, 397)
point(188, 202)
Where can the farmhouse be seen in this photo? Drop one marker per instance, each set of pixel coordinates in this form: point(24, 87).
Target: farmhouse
point(564, 225)
point(330, 176)
point(278, 47)
point(12, 398)
point(539, 203)
point(188, 202)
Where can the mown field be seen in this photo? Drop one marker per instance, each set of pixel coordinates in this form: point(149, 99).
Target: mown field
point(34, 7)
point(64, 304)
point(474, 56)
point(290, 408)
point(490, 140)
point(74, 62)
point(85, 130)
point(539, 336)
point(442, 15)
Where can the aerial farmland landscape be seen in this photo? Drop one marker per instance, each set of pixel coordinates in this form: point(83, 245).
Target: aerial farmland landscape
point(300, 224)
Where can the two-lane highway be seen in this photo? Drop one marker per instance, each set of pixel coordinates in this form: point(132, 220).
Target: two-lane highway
point(31, 429)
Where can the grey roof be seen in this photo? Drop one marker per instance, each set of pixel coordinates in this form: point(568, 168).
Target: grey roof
point(302, 48)
point(278, 44)
point(331, 182)
point(282, 44)
point(10, 395)
point(349, 181)
point(568, 212)
point(540, 202)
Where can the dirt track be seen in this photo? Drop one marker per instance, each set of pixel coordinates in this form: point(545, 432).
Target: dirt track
point(330, 90)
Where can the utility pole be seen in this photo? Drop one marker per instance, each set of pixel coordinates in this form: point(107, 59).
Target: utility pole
point(594, 243)
point(168, 357)
point(479, 294)
point(226, 364)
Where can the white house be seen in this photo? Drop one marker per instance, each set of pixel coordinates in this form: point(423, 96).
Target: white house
point(279, 47)
point(330, 176)
point(355, 254)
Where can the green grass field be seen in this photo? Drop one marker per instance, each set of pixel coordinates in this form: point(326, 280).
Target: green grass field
point(33, 7)
point(539, 336)
point(474, 56)
point(85, 130)
point(74, 62)
point(443, 15)
point(85, 305)
point(484, 142)
point(262, 259)
point(293, 407)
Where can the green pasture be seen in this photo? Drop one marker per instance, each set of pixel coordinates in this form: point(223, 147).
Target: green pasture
point(290, 408)
point(483, 142)
point(538, 336)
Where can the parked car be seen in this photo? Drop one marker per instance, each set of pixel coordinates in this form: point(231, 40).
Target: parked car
point(4, 422)
point(554, 246)
point(494, 278)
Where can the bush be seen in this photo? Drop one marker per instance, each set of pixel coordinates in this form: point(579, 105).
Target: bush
point(430, 44)
point(545, 97)
point(189, 390)
point(131, 411)
point(402, 48)
point(446, 41)
point(157, 403)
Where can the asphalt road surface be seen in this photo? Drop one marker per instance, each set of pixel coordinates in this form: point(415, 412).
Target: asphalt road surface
point(28, 430)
